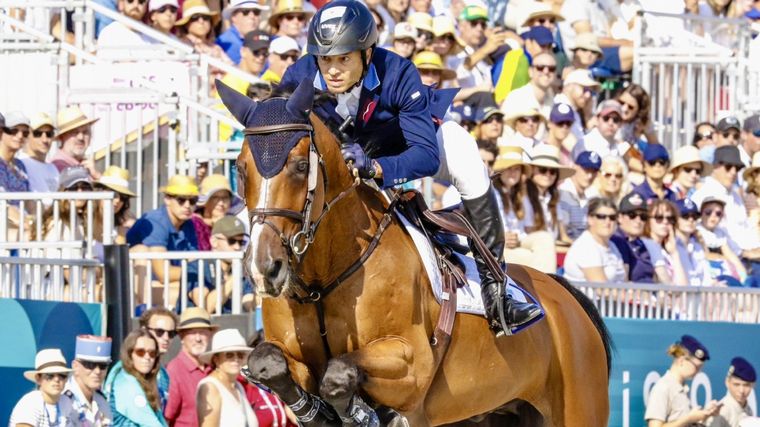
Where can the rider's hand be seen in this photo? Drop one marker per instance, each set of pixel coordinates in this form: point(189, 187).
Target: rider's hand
point(361, 161)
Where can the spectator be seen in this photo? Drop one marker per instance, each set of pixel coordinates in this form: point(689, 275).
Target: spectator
point(586, 52)
point(729, 131)
point(228, 235)
point(92, 355)
point(220, 399)
point(592, 258)
point(656, 162)
point(689, 244)
point(489, 151)
point(740, 381)
point(511, 69)
point(42, 407)
point(116, 36)
point(253, 53)
point(432, 71)
point(168, 228)
point(538, 40)
point(539, 91)
point(752, 192)
point(397, 10)
point(602, 139)
point(162, 325)
point(573, 198)
point(423, 23)
point(525, 119)
point(382, 30)
point(116, 179)
point(669, 399)
point(661, 229)
point(196, 28)
point(750, 143)
point(560, 121)
point(283, 52)
point(13, 173)
point(721, 252)
point(43, 176)
point(705, 135)
point(445, 42)
point(473, 64)
point(612, 179)
point(490, 125)
point(162, 15)
point(131, 385)
point(687, 169)
point(186, 370)
point(244, 17)
point(644, 257)
point(74, 133)
point(636, 109)
point(404, 39)
point(540, 13)
point(577, 90)
point(215, 202)
point(73, 179)
point(289, 19)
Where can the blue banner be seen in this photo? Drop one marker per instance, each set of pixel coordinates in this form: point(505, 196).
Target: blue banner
point(640, 359)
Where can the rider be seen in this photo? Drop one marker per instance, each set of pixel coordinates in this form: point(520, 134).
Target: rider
point(385, 109)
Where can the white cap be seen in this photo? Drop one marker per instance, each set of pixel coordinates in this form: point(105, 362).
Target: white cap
point(283, 44)
point(404, 30)
point(242, 4)
point(158, 4)
point(581, 77)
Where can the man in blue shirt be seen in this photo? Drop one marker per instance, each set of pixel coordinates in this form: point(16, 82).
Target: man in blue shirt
point(391, 136)
point(244, 17)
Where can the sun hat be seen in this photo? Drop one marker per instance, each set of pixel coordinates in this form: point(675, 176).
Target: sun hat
point(284, 44)
point(195, 318)
point(404, 30)
point(158, 4)
point(421, 21)
point(730, 122)
point(215, 183)
point(689, 154)
point(427, 60)
point(73, 175)
point(521, 109)
point(729, 155)
point(196, 7)
point(547, 156)
point(93, 348)
point(16, 118)
point(71, 118)
point(443, 25)
point(242, 4)
point(285, 7)
point(588, 41)
point(753, 167)
point(48, 361)
point(117, 179)
point(180, 185)
point(473, 13)
point(39, 120)
point(508, 156)
point(581, 77)
point(224, 341)
point(536, 9)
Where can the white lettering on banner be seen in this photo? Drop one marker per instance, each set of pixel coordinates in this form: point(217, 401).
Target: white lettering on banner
point(626, 399)
point(649, 382)
point(700, 380)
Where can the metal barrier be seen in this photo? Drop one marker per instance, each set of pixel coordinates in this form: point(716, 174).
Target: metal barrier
point(195, 266)
point(44, 279)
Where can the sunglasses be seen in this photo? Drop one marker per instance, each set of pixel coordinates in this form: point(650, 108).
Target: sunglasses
point(230, 355)
point(182, 200)
point(602, 217)
point(547, 171)
point(609, 175)
point(261, 53)
point(50, 377)
point(543, 21)
point(39, 133)
point(708, 135)
point(728, 167)
point(286, 57)
point(479, 22)
point(564, 124)
point(732, 135)
point(142, 2)
point(294, 16)
point(200, 17)
point(494, 118)
point(658, 162)
point(698, 171)
point(546, 68)
point(80, 186)
point(640, 215)
point(709, 212)
point(612, 118)
point(141, 352)
point(16, 131)
point(160, 332)
point(246, 12)
point(233, 240)
point(165, 8)
point(90, 366)
point(664, 218)
point(531, 119)
point(690, 217)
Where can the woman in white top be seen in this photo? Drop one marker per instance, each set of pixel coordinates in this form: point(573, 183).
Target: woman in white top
point(722, 258)
point(690, 244)
point(220, 399)
point(661, 228)
point(42, 407)
point(541, 194)
point(592, 258)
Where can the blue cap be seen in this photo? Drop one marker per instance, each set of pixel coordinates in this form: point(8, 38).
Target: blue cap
point(696, 348)
point(93, 348)
point(589, 160)
point(465, 111)
point(686, 207)
point(742, 369)
point(561, 112)
point(540, 34)
point(656, 152)
point(753, 14)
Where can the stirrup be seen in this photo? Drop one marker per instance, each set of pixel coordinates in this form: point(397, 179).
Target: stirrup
point(500, 325)
point(360, 414)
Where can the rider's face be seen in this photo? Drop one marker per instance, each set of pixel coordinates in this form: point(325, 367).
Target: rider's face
point(341, 72)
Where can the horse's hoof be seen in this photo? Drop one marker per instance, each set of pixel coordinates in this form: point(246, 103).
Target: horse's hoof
point(340, 382)
point(268, 365)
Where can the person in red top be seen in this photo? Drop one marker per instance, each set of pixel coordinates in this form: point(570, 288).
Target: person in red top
point(186, 370)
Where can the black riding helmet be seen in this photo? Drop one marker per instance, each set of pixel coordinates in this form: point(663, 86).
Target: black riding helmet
point(340, 27)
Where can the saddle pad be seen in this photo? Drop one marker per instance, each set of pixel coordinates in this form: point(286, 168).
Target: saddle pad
point(468, 296)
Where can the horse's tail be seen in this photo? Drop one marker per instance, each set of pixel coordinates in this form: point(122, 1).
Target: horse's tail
point(593, 314)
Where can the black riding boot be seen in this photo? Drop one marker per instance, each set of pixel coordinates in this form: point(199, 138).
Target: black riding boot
point(483, 214)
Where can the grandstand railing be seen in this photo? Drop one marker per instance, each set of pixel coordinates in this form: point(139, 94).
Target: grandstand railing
point(44, 278)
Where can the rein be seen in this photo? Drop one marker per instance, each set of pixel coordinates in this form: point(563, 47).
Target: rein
point(297, 244)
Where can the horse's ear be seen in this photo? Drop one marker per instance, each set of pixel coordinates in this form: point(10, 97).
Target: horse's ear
point(299, 104)
point(239, 105)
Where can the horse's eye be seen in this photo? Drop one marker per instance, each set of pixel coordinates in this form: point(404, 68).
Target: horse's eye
point(302, 166)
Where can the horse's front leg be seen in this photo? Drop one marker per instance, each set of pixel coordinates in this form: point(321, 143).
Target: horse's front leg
point(268, 365)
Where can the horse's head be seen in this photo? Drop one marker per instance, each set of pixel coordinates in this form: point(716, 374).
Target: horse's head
point(281, 177)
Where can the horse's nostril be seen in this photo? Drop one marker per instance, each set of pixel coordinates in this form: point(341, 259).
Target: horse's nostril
point(274, 270)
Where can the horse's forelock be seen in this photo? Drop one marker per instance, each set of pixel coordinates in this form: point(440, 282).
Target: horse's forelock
point(270, 151)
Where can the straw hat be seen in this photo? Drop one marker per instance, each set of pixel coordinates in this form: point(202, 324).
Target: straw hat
point(547, 156)
point(755, 166)
point(117, 179)
point(521, 109)
point(180, 185)
point(196, 7)
point(224, 341)
point(48, 361)
point(421, 21)
point(508, 156)
point(195, 318)
point(71, 118)
point(215, 183)
point(689, 154)
point(443, 25)
point(284, 7)
point(427, 60)
point(536, 9)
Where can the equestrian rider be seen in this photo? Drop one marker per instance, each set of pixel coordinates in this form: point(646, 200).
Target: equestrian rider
point(393, 134)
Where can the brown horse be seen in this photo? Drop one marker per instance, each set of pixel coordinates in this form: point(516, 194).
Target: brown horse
point(311, 222)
